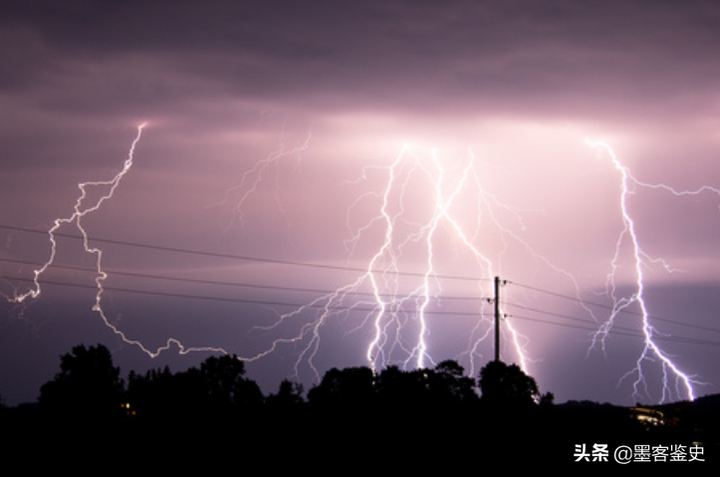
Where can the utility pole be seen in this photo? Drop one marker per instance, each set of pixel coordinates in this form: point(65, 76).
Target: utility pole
point(497, 319)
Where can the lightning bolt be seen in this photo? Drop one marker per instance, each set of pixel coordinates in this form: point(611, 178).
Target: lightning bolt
point(81, 210)
point(83, 207)
point(651, 352)
point(393, 292)
point(253, 176)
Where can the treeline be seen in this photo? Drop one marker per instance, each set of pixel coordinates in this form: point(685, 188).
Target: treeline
point(437, 412)
point(90, 386)
point(89, 416)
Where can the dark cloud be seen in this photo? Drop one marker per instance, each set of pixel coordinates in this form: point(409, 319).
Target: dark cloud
point(455, 56)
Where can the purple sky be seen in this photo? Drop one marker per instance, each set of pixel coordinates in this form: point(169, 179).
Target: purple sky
point(272, 131)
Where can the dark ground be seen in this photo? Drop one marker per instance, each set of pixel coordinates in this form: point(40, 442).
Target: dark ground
point(339, 440)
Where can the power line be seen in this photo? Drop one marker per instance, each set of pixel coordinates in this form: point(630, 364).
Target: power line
point(314, 304)
point(567, 297)
point(229, 256)
point(621, 331)
point(611, 308)
point(326, 292)
point(616, 330)
point(201, 281)
point(314, 290)
point(549, 313)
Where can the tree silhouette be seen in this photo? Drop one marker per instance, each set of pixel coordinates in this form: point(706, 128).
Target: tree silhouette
point(225, 384)
point(344, 412)
point(400, 390)
point(217, 389)
point(507, 385)
point(152, 394)
point(288, 397)
point(347, 388)
point(163, 396)
point(88, 385)
point(449, 386)
point(349, 402)
point(285, 411)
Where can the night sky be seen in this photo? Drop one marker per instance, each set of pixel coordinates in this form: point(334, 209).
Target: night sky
point(288, 144)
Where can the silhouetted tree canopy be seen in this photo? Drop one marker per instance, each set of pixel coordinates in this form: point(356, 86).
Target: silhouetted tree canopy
point(218, 387)
point(225, 384)
point(449, 385)
point(289, 396)
point(401, 389)
point(218, 390)
point(502, 410)
point(395, 390)
point(349, 387)
point(507, 385)
point(88, 384)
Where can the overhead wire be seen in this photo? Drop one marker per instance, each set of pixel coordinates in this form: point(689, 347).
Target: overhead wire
point(585, 325)
point(622, 331)
point(585, 321)
point(230, 256)
point(201, 281)
point(611, 308)
point(230, 299)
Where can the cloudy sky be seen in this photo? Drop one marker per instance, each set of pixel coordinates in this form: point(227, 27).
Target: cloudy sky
point(293, 149)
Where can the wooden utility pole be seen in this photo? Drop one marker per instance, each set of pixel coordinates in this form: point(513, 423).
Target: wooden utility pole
point(497, 319)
